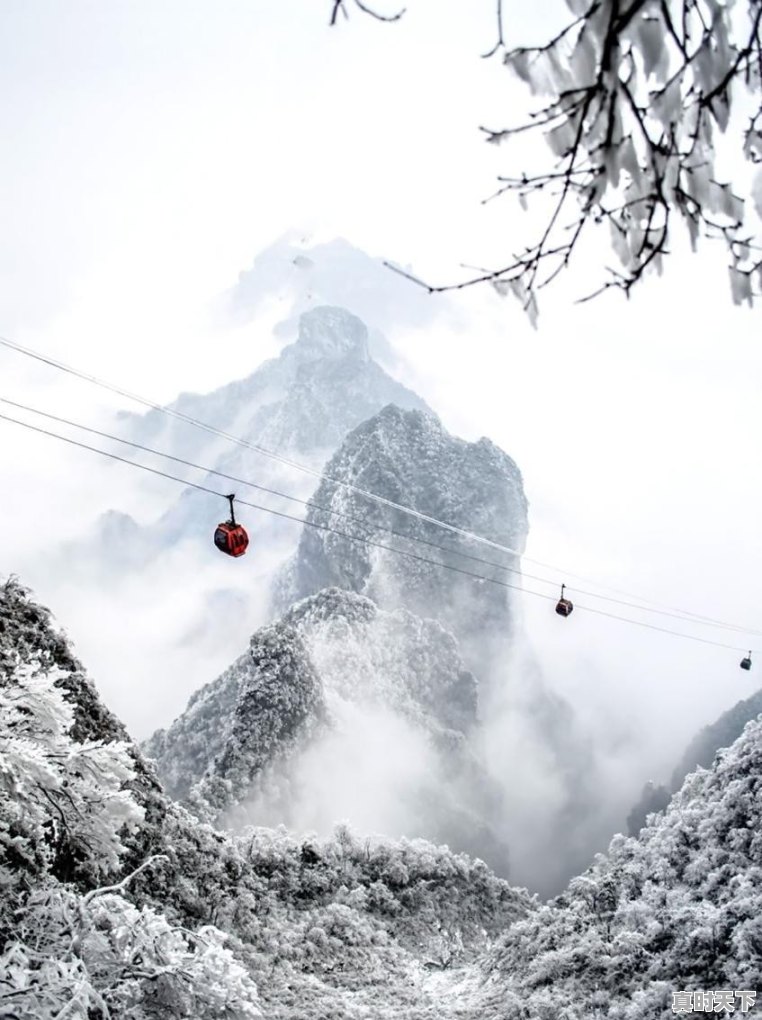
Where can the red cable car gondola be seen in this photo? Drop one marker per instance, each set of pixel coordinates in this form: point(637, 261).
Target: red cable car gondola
point(231, 538)
point(563, 606)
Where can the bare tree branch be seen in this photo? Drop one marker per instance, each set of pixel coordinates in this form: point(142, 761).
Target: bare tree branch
point(500, 44)
point(340, 5)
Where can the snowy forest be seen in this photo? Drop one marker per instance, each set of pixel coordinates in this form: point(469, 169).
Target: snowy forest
point(384, 760)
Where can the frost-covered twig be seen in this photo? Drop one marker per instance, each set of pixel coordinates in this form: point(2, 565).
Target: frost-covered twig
point(120, 886)
point(340, 5)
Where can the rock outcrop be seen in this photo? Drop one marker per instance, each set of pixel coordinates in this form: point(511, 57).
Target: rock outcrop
point(407, 457)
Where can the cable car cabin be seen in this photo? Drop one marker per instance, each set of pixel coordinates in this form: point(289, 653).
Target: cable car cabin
point(564, 606)
point(746, 662)
point(231, 539)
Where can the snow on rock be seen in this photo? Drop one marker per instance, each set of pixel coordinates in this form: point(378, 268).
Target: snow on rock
point(256, 710)
point(337, 643)
point(310, 711)
point(407, 457)
point(410, 664)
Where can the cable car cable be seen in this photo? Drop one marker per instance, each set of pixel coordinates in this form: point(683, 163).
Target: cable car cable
point(669, 610)
point(273, 492)
point(359, 520)
point(365, 541)
point(277, 513)
point(19, 348)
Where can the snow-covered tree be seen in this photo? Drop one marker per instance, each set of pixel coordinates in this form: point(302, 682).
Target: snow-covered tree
point(63, 803)
point(635, 94)
point(677, 908)
point(98, 955)
point(69, 946)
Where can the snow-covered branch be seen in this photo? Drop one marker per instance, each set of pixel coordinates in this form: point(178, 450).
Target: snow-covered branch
point(635, 93)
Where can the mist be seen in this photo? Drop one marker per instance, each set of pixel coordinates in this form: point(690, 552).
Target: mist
point(367, 771)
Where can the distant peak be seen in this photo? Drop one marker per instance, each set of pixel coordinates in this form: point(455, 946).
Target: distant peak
point(330, 332)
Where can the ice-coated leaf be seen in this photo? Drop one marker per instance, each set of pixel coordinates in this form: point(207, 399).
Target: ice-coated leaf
point(619, 240)
point(756, 191)
point(584, 59)
point(611, 164)
point(649, 34)
point(629, 159)
point(732, 205)
point(518, 61)
point(531, 309)
point(740, 286)
point(721, 111)
point(693, 231)
point(701, 187)
point(753, 146)
point(561, 137)
point(666, 104)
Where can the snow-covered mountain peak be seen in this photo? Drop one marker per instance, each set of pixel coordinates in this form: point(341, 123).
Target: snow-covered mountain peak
point(329, 332)
point(407, 456)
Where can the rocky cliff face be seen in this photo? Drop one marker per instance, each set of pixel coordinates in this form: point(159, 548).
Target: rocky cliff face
point(398, 668)
point(312, 703)
point(408, 457)
point(255, 712)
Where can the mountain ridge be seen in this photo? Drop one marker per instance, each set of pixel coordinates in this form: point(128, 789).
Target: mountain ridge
point(206, 926)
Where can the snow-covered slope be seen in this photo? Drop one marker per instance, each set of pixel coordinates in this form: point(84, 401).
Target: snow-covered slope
point(288, 731)
point(345, 928)
point(677, 909)
point(699, 752)
point(717, 735)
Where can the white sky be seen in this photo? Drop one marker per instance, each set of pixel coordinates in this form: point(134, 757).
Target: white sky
point(153, 147)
